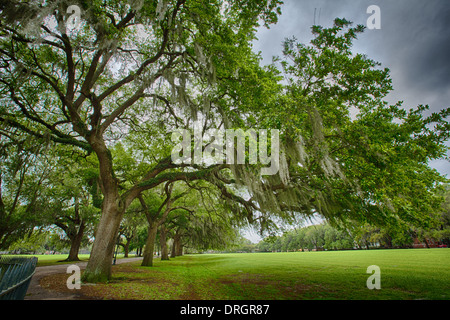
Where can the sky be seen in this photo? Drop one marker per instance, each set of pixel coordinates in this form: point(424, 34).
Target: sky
point(413, 42)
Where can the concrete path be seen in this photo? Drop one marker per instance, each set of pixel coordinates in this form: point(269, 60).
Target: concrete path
point(36, 292)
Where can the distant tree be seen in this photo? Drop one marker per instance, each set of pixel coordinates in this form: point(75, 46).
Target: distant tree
point(336, 239)
point(33, 242)
point(126, 236)
point(71, 199)
point(241, 244)
point(441, 232)
point(156, 209)
point(138, 242)
point(24, 171)
point(264, 246)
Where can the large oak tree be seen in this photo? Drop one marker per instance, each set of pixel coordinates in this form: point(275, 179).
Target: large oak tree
point(80, 85)
point(139, 70)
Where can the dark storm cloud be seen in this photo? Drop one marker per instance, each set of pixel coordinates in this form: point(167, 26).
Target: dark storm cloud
point(416, 47)
point(413, 42)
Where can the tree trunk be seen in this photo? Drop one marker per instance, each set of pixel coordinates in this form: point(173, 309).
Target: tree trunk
point(426, 243)
point(163, 242)
point(98, 268)
point(176, 244)
point(179, 249)
point(147, 261)
point(126, 247)
point(76, 243)
point(173, 253)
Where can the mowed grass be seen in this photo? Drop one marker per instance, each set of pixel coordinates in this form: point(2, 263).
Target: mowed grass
point(405, 274)
point(52, 259)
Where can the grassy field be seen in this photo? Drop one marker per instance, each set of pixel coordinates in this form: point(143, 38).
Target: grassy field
point(50, 259)
point(405, 274)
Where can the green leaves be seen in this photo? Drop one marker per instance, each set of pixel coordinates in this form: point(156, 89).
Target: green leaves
point(365, 160)
point(133, 72)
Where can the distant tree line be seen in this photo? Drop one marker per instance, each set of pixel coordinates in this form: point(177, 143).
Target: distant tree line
point(326, 237)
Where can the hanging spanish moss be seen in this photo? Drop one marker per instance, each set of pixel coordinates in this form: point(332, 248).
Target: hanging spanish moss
point(296, 191)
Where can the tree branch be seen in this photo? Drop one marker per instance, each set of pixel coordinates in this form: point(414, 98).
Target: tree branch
point(62, 139)
point(146, 63)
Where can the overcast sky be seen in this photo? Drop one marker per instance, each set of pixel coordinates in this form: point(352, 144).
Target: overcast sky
point(413, 42)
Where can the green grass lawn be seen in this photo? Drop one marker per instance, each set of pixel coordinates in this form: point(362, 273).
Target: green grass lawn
point(405, 274)
point(49, 259)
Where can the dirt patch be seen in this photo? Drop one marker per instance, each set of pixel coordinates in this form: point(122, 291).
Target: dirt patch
point(57, 284)
point(50, 282)
point(190, 293)
point(260, 286)
point(116, 289)
point(127, 283)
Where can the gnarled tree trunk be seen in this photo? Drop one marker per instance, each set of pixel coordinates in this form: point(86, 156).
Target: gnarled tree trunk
point(147, 261)
point(98, 268)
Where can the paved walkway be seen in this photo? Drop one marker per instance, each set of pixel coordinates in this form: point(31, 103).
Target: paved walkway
point(36, 292)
